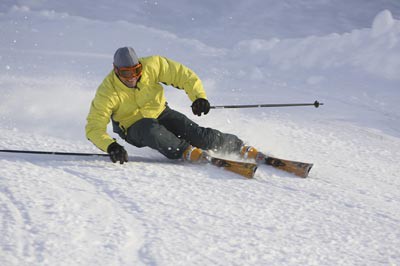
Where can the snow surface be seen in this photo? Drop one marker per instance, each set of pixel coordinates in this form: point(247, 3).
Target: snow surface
point(69, 210)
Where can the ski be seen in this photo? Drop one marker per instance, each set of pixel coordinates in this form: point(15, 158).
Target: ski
point(297, 168)
point(244, 169)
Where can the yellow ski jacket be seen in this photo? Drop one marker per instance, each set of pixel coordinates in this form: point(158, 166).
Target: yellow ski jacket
point(128, 105)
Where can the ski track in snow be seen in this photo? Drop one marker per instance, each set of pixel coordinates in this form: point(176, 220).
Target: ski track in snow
point(53, 214)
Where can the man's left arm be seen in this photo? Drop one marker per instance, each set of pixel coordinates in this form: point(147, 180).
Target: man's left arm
point(177, 75)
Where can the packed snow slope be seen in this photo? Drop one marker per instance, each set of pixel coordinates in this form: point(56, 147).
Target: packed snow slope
point(68, 210)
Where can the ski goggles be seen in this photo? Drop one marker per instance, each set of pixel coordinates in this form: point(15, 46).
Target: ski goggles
point(130, 72)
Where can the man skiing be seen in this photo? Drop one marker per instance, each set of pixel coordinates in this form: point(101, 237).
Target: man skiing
point(133, 98)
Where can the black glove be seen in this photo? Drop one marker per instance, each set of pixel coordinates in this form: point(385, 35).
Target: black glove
point(200, 106)
point(117, 153)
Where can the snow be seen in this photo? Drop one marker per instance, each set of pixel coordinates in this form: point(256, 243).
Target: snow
point(69, 210)
point(382, 23)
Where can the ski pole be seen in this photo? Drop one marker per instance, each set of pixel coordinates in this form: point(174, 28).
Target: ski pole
point(316, 104)
point(56, 153)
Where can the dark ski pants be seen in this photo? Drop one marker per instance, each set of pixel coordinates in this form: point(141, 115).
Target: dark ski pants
point(172, 132)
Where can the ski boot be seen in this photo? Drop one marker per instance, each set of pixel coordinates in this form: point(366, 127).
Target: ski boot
point(193, 154)
point(251, 153)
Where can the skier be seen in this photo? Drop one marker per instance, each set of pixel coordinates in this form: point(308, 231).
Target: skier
point(133, 98)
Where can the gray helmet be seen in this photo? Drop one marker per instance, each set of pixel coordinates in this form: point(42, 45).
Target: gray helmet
point(125, 57)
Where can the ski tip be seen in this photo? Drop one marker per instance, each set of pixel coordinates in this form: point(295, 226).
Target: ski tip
point(252, 173)
point(247, 170)
point(307, 171)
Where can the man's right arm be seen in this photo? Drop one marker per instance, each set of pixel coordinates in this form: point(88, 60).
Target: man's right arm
point(98, 118)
